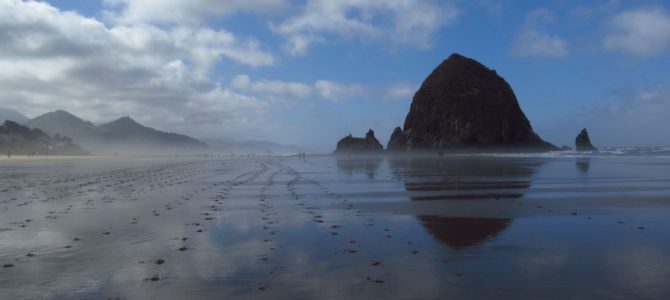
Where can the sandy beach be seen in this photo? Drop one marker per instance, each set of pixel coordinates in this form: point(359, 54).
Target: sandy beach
point(335, 227)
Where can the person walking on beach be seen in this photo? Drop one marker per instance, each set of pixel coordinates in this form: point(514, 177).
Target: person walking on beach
point(9, 154)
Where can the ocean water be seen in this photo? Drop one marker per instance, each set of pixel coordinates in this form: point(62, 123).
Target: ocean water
point(550, 226)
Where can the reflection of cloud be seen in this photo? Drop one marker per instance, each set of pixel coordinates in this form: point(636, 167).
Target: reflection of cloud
point(537, 262)
point(640, 271)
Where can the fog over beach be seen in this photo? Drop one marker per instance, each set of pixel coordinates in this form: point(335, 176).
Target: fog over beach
point(334, 149)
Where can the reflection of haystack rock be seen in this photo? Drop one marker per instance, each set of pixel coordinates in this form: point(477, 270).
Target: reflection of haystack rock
point(583, 142)
point(350, 165)
point(583, 164)
point(463, 105)
point(428, 178)
point(459, 233)
point(350, 144)
point(463, 178)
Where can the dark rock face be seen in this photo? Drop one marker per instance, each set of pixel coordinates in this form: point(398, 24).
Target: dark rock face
point(395, 142)
point(583, 142)
point(463, 105)
point(19, 139)
point(350, 144)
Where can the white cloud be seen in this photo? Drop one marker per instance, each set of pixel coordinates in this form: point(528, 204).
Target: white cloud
point(51, 59)
point(533, 40)
point(403, 22)
point(400, 91)
point(272, 87)
point(493, 8)
point(639, 32)
point(337, 92)
point(632, 117)
point(185, 12)
point(537, 43)
point(275, 89)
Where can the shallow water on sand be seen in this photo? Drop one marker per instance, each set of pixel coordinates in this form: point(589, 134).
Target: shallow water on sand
point(329, 227)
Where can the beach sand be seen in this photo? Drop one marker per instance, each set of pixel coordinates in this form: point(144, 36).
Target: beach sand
point(467, 227)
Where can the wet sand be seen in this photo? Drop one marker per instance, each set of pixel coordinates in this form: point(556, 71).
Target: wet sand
point(335, 228)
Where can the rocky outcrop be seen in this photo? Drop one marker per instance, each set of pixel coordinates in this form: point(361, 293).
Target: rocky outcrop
point(583, 142)
point(19, 139)
point(465, 106)
point(350, 144)
point(395, 142)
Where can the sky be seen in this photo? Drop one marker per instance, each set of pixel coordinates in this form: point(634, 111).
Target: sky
point(310, 72)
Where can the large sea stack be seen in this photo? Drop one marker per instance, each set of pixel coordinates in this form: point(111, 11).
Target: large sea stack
point(583, 142)
point(464, 106)
point(350, 144)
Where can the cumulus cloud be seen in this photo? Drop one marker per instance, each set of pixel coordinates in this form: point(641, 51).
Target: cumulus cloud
point(639, 32)
point(632, 117)
point(337, 92)
point(533, 40)
point(185, 12)
point(52, 59)
point(274, 89)
point(400, 91)
point(405, 22)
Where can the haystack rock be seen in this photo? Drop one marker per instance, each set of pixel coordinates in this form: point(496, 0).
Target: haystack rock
point(583, 142)
point(464, 106)
point(350, 144)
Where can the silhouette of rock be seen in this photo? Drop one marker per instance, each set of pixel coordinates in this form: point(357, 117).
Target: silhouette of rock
point(395, 142)
point(351, 144)
point(463, 105)
point(460, 233)
point(583, 142)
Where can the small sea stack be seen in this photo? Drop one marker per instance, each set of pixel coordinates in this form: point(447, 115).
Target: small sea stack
point(350, 144)
point(583, 142)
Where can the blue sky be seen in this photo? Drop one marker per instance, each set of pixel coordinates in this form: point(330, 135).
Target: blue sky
point(310, 72)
